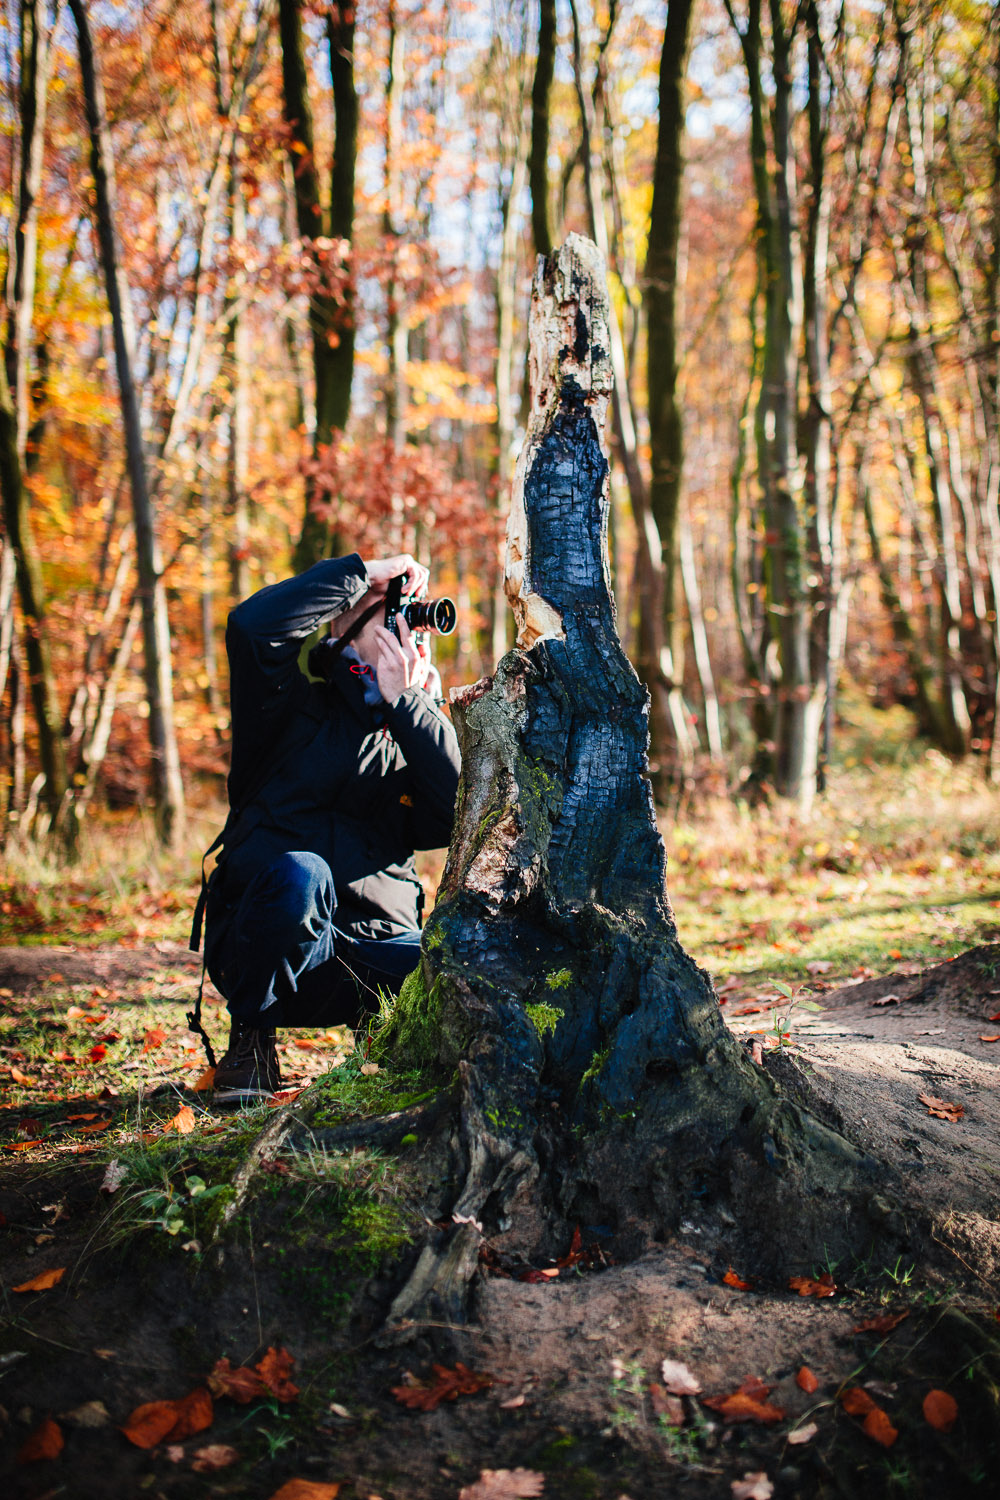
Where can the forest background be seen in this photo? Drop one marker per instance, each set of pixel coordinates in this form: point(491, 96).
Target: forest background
point(266, 292)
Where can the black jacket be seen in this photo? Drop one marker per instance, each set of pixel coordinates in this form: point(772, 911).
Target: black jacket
point(362, 788)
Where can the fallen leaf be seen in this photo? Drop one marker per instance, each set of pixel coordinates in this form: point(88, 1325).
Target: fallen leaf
point(941, 1109)
point(21, 1078)
point(75, 1012)
point(155, 1421)
point(93, 1129)
point(98, 1053)
point(940, 1410)
point(731, 1279)
point(306, 1489)
point(678, 1379)
point(42, 1282)
point(802, 1434)
point(215, 1456)
point(274, 1370)
point(670, 1408)
point(90, 1414)
point(752, 1487)
point(994, 1017)
point(239, 1382)
point(115, 1174)
point(45, 1442)
point(806, 1380)
point(306, 1044)
point(204, 1081)
point(990, 1038)
point(182, 1121)
point(504, 1484)
point(819, 966)
point(447, 1385)
point(895, 953)
point(285, 1097)
point(369, 1068)
point(150, 1423)
point(824, 1286)
point(153, 1038)
point(884, 1324)
point(878, 1427)
point(856, 1402)
point(887, 1000)
point(748, 1404)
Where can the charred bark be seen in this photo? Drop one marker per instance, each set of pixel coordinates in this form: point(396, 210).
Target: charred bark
point(597, 1083)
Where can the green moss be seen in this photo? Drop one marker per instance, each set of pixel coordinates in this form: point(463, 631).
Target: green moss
point(561, 979)
point(544, 1018)
point(378, 1231)
point(596, 1064)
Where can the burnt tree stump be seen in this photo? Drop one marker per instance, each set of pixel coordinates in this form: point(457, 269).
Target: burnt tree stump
point(597, 1082)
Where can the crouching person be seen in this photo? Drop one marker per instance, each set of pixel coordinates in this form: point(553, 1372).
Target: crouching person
point(315, 905)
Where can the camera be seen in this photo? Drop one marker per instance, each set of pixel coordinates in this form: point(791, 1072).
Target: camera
point(437, 615)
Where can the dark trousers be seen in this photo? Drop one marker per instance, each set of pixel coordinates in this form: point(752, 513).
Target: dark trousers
point(280, 960)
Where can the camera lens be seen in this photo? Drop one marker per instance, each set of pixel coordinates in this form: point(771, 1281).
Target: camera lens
point(438, 615)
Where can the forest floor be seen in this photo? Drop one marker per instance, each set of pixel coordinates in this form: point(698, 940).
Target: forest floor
point(857, 950)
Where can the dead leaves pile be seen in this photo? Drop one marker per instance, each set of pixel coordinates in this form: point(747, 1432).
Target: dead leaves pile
point(445, 1385)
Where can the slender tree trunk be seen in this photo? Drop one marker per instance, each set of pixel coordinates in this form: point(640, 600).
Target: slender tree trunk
point(168, 789)
point(15, 416)
point(538, 161)
point(331, 320)
point(238, 446)
point(397, 331)
point(506, 414)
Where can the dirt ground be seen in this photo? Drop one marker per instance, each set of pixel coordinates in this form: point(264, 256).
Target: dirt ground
point(578, 1394)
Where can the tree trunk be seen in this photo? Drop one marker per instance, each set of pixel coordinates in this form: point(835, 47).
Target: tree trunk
point(331, 317)
point(168, 787)
point(538, 160)
point(597, 1081)
point(15, 416)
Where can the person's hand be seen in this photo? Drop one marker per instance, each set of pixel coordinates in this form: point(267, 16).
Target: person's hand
point(401, 664)
point(383, 570)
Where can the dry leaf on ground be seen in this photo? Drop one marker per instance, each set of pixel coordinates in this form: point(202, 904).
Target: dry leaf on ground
point(154, 1038)
point(823, 1286)
point(748, 1404)
point(204, 1081)
point(155, 1421)
point(670, 1408)
point(940, 1410)
point(45, 1442)
point(884, 1324)
point(90, 1414)
point(20, 1077)
point(990, 1038)
point(306, 1489)
point(42, 1282)
point(115, 1174)
point(275, 1370)
point(447, 1385)
point(856, 1402)
point(504, 1484)
point(678, 1379)
point(182, 1121)
point(270, 1377)
point(806, 1380)
point(941, 1109)
point(752, 1487)
point(731, 1279)
point(215, 1456)
point(878, 1426)
point(802, 1434)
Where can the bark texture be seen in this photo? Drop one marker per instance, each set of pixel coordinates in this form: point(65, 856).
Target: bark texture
point(597, 1082)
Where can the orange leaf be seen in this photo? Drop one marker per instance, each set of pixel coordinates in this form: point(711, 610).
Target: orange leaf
point(204, 1081)
point(306, 1489)
point(806, 1287)
point(98, 1053)
point(75, 1012)
point(45, 1442)
point(744, 1405)
point(42, 1282)
point(238, 1382)
point(194, 1414)
point(994, 1017)
point(885, 1324)
point(274, 1370)
point(215, 1456)
point(940, 1410)
point(982, 1039)
point(878, 1426)
point(153, 1039)
point(670, 1408)
point(305, 1044)
point(941, 1109)
point(285, 1097)
point(806, 1380)
point(856, 1402)
point(20, 1077)
point(447, 1385)
point(182, 1121)
point(895, 953)
point(92, 1129)
point(731, 1279)
point(150, 1423)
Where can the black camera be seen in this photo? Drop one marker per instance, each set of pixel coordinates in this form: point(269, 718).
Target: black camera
point(437, 615)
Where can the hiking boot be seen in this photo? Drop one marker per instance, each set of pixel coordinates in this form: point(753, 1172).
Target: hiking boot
point(248, 1071)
